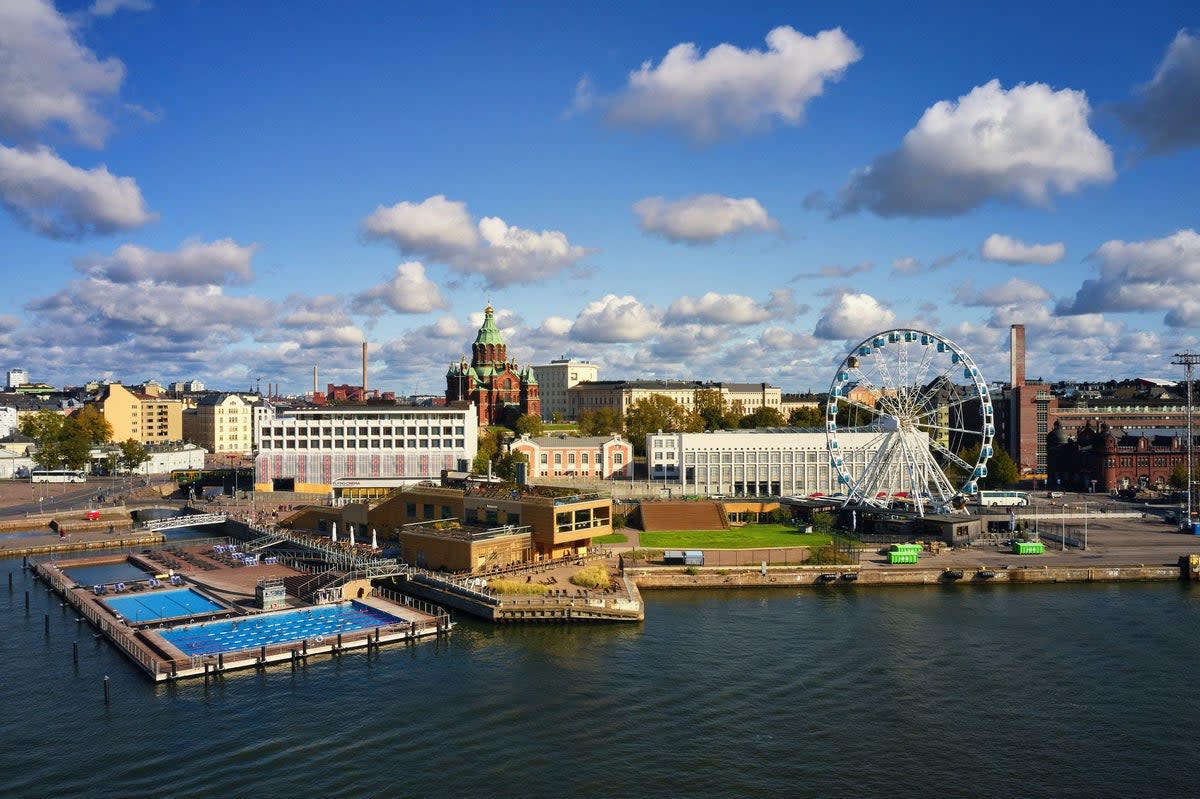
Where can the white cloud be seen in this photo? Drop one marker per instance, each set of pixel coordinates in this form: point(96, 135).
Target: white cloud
point(106, 8)
point(852, 315)
point(554, 326)
point(408, 291)
point(48, 78)
point(835, 271)
point(613, 319)
point(196, 263)
point(1023, 144)
point(1012, 292)
point(907, 265)
point(1158, 274)
point(702, 219)
point(1007, 250)
point(444, 231)
point(58, 200)
point(728, 90)
point(721, 309)
point(1166, 111)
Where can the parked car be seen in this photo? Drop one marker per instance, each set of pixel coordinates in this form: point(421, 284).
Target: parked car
point(1053, 494)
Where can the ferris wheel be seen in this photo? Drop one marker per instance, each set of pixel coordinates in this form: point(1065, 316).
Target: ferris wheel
point(909, 421)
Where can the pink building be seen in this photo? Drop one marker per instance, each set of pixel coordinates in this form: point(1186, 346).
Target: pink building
point(602, 457)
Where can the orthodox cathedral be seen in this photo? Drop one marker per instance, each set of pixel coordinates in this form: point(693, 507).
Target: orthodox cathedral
point(498, 389)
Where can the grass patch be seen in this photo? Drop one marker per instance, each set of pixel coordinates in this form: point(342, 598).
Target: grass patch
point(510, 587)
point(611, 538)
point(752, 536)
point(594, 576)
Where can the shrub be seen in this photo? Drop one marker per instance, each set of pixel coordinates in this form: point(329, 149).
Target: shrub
point(516, 587)
point(594, 576)
point(692, 570)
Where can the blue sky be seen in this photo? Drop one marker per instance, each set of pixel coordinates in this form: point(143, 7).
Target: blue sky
point(231, 191)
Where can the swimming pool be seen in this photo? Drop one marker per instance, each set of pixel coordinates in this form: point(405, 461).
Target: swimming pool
point(158, 605)
point(264, 629)
point(121, 571)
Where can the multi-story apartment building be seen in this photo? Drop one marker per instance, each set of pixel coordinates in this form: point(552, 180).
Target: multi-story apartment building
point(604, 457)
point(755, 462)
point(620, 395)
point(221, 423)
point(556, 379)
point(150, 420)
point(319, 450)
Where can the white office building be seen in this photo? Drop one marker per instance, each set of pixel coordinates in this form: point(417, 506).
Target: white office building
point(769, 462)
point(313, 449)
point(554, 381)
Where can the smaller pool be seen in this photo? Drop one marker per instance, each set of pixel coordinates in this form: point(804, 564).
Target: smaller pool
point(107, 573)
point(158, 605)
point(250, 632)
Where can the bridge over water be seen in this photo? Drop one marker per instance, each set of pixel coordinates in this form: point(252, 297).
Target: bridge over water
point(193, 520)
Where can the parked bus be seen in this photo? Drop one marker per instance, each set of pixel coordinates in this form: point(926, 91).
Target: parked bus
point(1003, 499)
point(57, 476)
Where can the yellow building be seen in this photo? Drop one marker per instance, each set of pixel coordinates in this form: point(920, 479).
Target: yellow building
point(221, 423)
point(147, 419)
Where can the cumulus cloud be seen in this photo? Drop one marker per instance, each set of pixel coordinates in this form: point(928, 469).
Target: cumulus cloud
point(728, 90)
point(1007, 250)
point(1012, 292)
point(408, 291)
point(555, 326)
point(1023, 144)
point(444, 231)
point(853, 315)
point(48, 78)
point(195, 263)
point(106, 8)
point(61, 201)
point(1166, 111)
point(1158, 274)
point(721, 309)
point(613, 319)
point(702, 219)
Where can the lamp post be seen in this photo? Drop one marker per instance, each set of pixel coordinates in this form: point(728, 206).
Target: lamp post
point(1187, 360)
point(1085, 527)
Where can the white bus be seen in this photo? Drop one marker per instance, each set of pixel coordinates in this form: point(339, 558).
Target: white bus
point(1003, 499)
point(57, 476)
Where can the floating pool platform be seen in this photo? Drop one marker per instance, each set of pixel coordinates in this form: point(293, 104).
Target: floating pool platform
point(174, 628)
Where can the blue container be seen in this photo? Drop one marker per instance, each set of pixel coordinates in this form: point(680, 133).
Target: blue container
point(1195, 528)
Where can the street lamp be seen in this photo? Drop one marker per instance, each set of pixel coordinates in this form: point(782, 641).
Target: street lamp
point(1085, 527)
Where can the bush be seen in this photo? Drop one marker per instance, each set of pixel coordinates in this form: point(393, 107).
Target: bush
point(594, 576)
point(692, 570)
point(644, 554)
point(516, 587)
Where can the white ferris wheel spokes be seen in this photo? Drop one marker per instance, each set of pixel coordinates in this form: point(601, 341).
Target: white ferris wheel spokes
point(909, 417)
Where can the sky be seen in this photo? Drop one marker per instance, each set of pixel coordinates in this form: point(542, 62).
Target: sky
point(238, 192)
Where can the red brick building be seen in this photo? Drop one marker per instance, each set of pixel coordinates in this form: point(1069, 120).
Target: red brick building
point(1109, 459)
point(494, 384)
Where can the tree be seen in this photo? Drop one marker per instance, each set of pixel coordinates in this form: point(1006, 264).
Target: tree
point(710, 406)
point(528, 424)
point(761, 417)
point(506, 465)
point(92, 425)
point(806, 417)
point(658, 412)
point(132, 454)
point(1179, 475)
point(600, 422)
point(1001, 469)
point(489, 446)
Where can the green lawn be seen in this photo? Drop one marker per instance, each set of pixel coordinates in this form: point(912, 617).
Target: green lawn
point(611, 538)
point(752, 536)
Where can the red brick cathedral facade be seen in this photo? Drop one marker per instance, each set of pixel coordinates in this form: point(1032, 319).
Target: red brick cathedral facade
point(498, 389)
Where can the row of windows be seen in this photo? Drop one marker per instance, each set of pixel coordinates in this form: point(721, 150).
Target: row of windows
point(340, 430)
point(362, 443)
point(789, 456)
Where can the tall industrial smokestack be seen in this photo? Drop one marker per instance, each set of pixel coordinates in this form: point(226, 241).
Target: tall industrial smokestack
point(364, 371)
point(314, 381)
point(1016, 355)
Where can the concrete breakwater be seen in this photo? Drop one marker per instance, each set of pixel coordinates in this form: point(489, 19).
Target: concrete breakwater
point(652, 578)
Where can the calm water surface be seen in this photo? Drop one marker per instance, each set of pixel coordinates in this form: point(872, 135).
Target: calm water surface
point(954, 691)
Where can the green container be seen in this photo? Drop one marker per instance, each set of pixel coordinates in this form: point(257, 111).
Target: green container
point(1028, 548)
point(902, 557)
point(911, 548)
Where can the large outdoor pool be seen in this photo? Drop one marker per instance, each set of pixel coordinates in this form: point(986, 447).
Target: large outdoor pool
point(176, 603)
point(107, 573)
point(250, 632)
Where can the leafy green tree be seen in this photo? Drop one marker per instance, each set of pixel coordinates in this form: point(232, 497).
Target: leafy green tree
point(528, 424)
point(1001, 469)
point(600, 422)
point(489, 446)
point(658, 412)
point(506, 465)
point(1179, 475)
point(710, 406)
point(761, 417)
point(806, 417)
point(92, 425)
point(132, 454)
